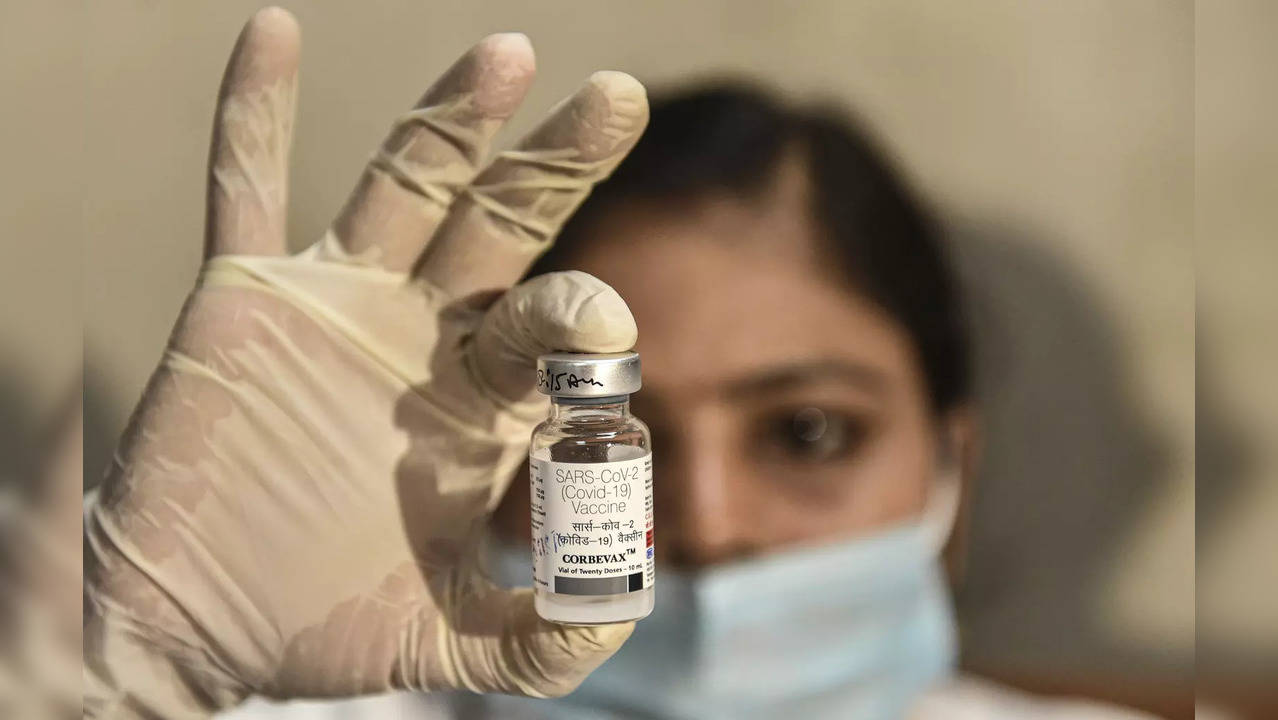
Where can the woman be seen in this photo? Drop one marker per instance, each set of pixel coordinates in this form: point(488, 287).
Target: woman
point(298, 507)
point(807, 384)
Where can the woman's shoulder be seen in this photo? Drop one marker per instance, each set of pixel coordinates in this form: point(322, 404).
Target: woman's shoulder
point(967, 697)
point(402, 705)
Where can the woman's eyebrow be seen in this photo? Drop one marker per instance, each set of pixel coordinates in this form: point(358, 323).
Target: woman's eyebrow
point(784, 377)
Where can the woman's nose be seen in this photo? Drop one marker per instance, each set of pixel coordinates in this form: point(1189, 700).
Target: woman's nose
point(708, 518)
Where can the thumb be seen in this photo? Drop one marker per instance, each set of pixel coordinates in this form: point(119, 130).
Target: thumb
point(496, 643)
point(570, 311)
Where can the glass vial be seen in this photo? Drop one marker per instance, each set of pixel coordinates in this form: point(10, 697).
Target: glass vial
point(590, 468)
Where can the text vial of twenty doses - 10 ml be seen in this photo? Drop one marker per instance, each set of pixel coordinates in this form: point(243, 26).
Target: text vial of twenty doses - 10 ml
point(590, 468)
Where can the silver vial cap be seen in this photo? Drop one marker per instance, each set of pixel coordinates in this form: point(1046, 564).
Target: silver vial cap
point(588, 375)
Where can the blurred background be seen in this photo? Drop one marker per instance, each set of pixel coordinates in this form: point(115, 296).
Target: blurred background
point(1237, 339)
point(1061, 143)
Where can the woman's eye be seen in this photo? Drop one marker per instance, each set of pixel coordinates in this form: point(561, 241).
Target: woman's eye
point(811, 434)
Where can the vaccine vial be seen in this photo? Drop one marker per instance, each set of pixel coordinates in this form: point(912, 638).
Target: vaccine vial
point(590, 468)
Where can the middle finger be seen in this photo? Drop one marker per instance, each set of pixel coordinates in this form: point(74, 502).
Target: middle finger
point(511, 213)
point(431, 153)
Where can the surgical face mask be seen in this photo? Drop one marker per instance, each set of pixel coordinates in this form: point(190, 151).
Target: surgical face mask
point(851, 630)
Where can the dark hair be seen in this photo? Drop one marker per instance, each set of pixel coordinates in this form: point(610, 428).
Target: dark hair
point(732, 138)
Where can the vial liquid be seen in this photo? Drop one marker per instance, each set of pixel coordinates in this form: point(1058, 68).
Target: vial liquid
point(590, 467)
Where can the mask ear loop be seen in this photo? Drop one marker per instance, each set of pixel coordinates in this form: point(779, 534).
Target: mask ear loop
point(941, 511)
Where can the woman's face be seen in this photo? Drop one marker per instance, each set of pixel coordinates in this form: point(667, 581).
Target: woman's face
point(784, 408)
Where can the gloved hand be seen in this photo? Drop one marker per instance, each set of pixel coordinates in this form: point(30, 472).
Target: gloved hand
point(294, 507)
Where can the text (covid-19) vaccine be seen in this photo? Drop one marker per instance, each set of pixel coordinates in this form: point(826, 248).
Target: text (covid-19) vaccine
point(590, 468)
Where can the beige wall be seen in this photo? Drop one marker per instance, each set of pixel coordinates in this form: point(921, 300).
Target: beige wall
point(1237, 221)
point(41, 186)
point(1057, 138)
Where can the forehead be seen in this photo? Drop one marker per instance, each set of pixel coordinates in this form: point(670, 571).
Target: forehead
point(723, 292)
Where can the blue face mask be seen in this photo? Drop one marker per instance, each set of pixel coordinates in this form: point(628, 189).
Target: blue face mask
point(852, 630)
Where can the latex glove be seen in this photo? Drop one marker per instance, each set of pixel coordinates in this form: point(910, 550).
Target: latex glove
point(294, 508)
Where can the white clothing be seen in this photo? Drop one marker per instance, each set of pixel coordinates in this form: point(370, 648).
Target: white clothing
point(965, 698)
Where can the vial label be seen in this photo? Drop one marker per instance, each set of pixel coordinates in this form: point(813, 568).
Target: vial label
point(592, 526)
